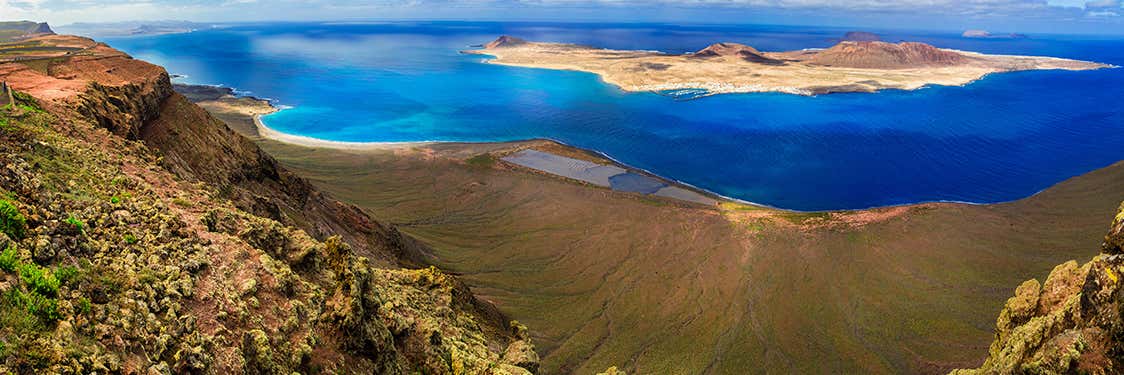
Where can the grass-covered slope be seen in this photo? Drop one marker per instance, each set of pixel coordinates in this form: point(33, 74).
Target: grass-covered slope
point(116, 259)
point(612, 279)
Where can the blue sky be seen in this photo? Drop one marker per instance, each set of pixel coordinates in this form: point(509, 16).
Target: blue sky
point(1027, 16)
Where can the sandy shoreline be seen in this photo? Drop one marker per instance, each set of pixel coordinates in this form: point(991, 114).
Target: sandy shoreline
point(696, 194)
point(269, 133)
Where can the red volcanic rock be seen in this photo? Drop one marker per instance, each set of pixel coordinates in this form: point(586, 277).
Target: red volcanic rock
point(745, 52)
point(504, 42)
point(882, 55)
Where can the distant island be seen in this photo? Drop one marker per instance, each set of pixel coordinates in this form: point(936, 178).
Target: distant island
point(984, 34)
point(850, 66)
point(117, 29)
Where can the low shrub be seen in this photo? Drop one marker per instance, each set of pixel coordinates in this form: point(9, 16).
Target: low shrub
point(39, 280)
point(78, 225)
point(12, 222)
point(65, 274)
point(27, 307)
point(84, 306)
point(9, 260)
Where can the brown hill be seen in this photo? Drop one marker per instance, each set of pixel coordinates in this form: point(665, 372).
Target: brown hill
point(882, 55)
point(505, 42)
point(745, 52)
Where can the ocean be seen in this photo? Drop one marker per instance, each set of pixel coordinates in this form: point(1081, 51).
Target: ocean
point(1002, 138)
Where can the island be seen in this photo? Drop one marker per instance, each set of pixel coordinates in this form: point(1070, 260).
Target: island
point(984, 34)
point(133, 28)
point(849, 66)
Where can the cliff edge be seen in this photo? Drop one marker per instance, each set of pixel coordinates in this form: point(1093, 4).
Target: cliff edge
point(140, 235)
point(1069, 324)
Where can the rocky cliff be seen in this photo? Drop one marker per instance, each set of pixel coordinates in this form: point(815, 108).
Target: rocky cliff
point(1070, 324)
point(139, 234)
point(18, 30)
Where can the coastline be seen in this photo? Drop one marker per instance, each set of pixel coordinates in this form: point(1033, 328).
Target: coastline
point(269, 133)
point(718, 72)
point(212, 96)
point(265, 132)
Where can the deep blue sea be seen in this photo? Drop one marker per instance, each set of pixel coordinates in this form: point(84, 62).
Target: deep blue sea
point(1005, 137)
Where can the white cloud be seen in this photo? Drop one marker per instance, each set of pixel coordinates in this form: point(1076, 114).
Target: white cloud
point(68, 11)
point(1102, 5)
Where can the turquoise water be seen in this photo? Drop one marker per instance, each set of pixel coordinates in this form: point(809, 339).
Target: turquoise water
point(1002, 138)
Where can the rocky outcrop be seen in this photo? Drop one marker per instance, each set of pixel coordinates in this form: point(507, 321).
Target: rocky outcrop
point(41, 29)
point(882, 55)
point(124, 109)
point(243, 173)
point(741, 51)
point(1070, 324)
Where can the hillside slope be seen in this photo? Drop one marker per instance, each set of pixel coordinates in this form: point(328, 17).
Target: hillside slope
point(615, 279)
point(139, 234)
point(1071, 323)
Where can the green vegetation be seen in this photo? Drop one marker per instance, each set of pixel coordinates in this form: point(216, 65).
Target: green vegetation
point(482, 161)
point(804, 217)
point(66, 274)
point(26, 103)
point(12, 222)
point(130, 238)
point(38, 279)
point(9, 259)
point(33, 302)
point(21, 306)
point(76, 224)
point(84, 306)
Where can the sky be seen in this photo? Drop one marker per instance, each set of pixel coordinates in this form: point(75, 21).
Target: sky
point(1022, 16)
